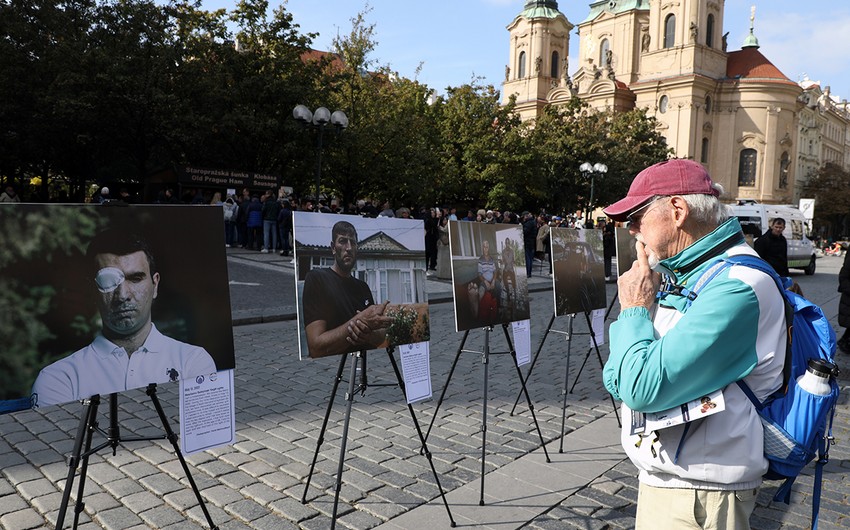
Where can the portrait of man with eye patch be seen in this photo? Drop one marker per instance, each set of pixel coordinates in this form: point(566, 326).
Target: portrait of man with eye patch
point(129, 352)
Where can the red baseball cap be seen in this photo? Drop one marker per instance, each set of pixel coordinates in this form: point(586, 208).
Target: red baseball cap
point(671, 177)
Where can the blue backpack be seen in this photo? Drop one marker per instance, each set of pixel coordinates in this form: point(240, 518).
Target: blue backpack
point(797, 424)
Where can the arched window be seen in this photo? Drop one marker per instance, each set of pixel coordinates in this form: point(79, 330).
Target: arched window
point(708, 104)
point(784, 165)
point(521, 68)
point(604, 48)
point(747, 168)
point(703, 156)
point(709, 31)
point(556, 61)
point(662, 104)
point(669, 31)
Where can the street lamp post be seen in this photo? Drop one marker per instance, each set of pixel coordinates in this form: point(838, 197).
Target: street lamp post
point(591, 169)
point(319, 120)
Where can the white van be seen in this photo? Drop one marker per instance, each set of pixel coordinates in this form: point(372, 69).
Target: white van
point(755, 219)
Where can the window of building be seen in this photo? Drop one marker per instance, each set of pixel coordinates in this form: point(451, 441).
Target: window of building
point(521, 68)
point(784, 164)
point(604, 48)
point(703, 156)
point(669, 31)
point(556, 61)
point(708, 104)
point(662, 104)
point(709, 31)
point(747, 168)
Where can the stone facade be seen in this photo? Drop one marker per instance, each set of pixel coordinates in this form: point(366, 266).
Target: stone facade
point(735, 112)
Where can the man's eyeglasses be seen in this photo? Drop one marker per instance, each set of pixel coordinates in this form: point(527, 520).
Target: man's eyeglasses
point(636, 216)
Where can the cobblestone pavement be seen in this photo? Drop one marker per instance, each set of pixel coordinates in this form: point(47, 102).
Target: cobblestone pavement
point(259, 481)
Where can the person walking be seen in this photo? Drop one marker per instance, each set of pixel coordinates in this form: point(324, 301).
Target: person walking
point(772, 246)
point(271, 211)
point(529, 240)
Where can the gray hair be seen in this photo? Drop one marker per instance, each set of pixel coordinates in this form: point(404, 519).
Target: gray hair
point(707, 209)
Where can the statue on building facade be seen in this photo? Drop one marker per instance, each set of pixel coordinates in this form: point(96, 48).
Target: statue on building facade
point(644, 41)
point(538, 62)
point(507, 73)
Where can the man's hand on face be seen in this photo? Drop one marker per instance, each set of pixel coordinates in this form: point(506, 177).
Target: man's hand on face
point(637, 286)
point(362, 329)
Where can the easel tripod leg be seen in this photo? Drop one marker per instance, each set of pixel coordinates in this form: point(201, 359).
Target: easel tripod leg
point(566, 382)
point(486, 359)
point(86, 421)
point(322, 431)
point(446, 386)
point(172, 437)
point(421, 436)
point(349, 398)
point(524, 390)
point(534, 360)
point(80, 505)
point(602, 367)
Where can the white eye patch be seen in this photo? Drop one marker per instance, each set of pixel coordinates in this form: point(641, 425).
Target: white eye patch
point(108, 279)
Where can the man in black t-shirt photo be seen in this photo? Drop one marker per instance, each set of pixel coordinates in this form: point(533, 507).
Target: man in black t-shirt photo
point(340, 314)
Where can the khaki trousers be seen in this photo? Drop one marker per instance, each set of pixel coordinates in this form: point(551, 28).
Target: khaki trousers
point(688, 509)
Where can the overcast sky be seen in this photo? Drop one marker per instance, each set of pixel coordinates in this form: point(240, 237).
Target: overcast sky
point(458, 39)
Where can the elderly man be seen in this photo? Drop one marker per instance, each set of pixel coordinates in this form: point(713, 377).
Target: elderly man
point(129, 352)
point(340, 314)
point(666, 352)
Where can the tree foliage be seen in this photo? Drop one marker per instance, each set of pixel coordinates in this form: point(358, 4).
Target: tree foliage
point(830, 187)
point(112, 91)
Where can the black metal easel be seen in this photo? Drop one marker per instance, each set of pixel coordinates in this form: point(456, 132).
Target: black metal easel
point(359, 361)
point(569, 334)
point(80, 457)
point(486, 361)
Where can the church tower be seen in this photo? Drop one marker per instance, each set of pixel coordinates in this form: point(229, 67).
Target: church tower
point(537, 70)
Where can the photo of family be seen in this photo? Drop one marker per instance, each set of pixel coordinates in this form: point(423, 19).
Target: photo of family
point(360, 283)
point(488, 274)
point(99, 299)
point(579, 270)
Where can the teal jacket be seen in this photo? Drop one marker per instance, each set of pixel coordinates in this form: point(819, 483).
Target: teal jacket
point(734, 329)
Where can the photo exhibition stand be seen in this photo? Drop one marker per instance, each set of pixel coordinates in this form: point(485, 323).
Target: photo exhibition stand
point(486, 361)
point(569, 335)
point(358, 362)
point(80, 456)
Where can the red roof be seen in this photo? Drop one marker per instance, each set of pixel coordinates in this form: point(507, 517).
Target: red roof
point(317, 55)
point(750, 65)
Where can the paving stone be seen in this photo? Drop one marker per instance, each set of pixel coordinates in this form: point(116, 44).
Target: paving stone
point(261, 493)
point(293, 509)
point(22, 520)
point(141, 501)
point(162, 517)
point(16, 474)
point(272, 522)
point(117, 518)
point(247, 510)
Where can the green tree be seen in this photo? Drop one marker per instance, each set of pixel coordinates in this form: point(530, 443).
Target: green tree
point(566, 136)
point(830, 188)
point(476, 135)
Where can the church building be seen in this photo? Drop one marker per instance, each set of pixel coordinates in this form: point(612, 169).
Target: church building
point(733, 111)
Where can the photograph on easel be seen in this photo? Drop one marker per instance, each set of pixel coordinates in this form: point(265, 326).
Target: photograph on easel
point(103, 299)
point(360, 283)
point(488, 274)
point(579, 270)
point(626, 253)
